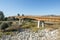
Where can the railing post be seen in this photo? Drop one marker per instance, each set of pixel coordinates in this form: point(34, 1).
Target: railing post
point(19, 21)
point(38, 23)
point(42, 24)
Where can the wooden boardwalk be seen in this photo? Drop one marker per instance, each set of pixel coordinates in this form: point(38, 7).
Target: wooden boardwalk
point(49, 19)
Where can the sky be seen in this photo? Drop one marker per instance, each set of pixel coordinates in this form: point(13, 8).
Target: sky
point(30, 7)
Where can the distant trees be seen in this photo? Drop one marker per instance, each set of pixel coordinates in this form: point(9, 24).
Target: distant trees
point(22, 14)
point(18, 14)
point(1, 15)
point(10, 18)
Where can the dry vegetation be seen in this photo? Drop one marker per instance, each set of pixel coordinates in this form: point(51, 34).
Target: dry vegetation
point(33, 26)
point(30, 25)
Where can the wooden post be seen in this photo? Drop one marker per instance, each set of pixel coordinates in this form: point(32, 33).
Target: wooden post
point(19, 21)
point(42, 24)
point(38, 23)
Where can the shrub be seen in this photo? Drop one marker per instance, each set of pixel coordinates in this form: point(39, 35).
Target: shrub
point(9, 23)
point(3, 26)
point(1, 33)
point(0, 23)
point(7, 33)
point(5, 19)
point(1, 15)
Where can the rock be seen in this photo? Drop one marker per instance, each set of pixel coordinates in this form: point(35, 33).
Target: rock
point(28, 35)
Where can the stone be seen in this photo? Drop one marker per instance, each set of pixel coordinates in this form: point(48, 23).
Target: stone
point(28, 35)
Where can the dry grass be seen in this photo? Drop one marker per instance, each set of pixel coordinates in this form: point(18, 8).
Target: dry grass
point(53, 27)
point(33, 26)
point(12, 28)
